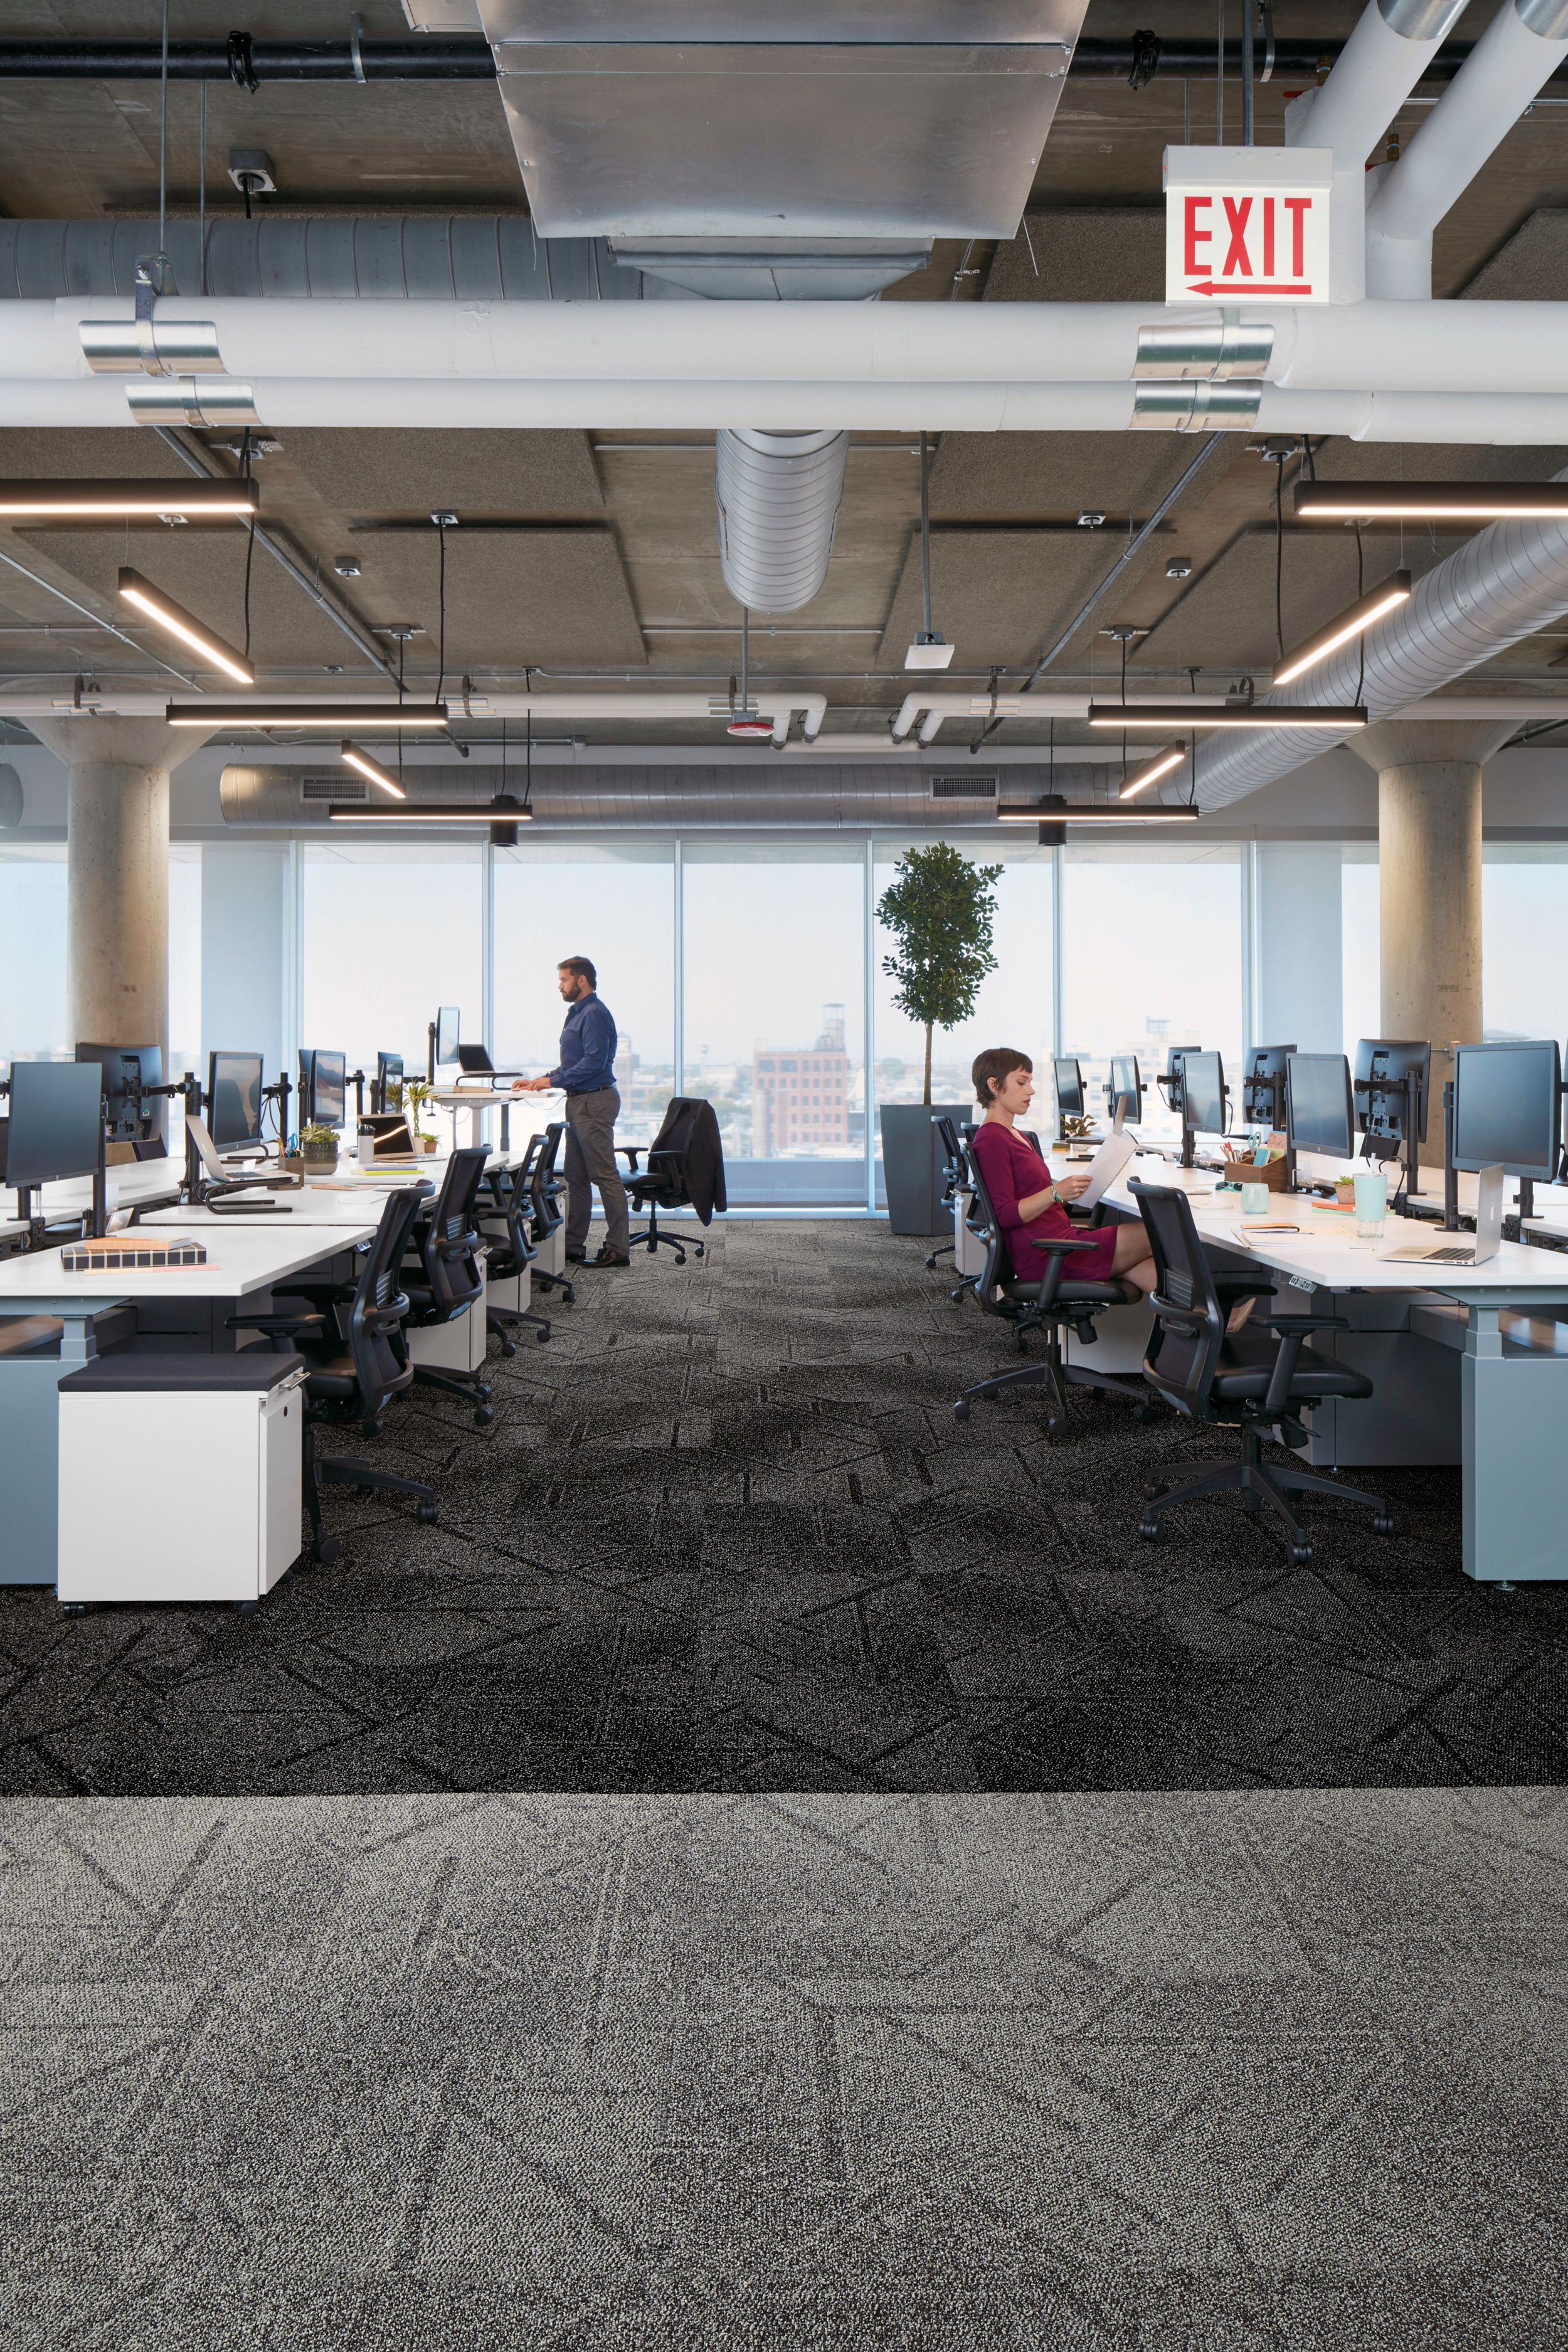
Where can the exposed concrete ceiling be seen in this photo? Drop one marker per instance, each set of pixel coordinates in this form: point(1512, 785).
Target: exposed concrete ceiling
point(608, 563)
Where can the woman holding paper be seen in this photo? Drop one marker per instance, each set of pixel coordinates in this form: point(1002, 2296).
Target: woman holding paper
point(1013, 1169)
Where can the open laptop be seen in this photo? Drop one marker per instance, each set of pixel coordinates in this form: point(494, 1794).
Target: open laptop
point(1445, 1249)
point(474, 1062)
point(220, 1173)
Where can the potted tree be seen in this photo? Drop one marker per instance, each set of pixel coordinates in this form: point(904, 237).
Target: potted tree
point(940, 913)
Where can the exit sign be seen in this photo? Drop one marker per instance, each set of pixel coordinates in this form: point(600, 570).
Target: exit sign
point(1246, 224)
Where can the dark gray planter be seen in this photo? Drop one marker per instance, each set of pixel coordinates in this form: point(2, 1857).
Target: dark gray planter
point(912, 1162)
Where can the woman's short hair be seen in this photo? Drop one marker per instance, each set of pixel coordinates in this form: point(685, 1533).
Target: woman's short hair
point(997, 1065)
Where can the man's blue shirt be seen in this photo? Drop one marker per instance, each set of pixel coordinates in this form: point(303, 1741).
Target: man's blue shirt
point(587, 1048)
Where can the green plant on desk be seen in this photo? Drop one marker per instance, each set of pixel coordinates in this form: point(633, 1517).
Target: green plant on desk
point(416, 1093)
point(318, 1145)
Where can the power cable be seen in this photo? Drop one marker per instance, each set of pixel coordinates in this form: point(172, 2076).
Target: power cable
point(441, 678)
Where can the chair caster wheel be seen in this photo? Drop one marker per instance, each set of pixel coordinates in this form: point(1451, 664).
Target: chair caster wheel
point(1057, 1426)
point(568, 1294)
point(426, 1514)
point(483, 1416)
point(542, 1336)
point(508, 1347)
point(327, 1550)
point(73, 1608)
point(246, 1608)
point(931, 1265)
point(700, 1248)
point(1150, 1530)
point(1301, 1555)
point(1145, 1412)
point(1382, 1524)
point(960, 1410)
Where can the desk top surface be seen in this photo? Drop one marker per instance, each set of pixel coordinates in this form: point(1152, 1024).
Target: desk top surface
point(250, 1257)
point(1326, 1254)
point(350, 1216)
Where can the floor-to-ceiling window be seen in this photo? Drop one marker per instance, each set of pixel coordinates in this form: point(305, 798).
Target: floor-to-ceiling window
point(1150, 959)
point(185, 958)
point(614, 903)
point(1524, 917)
point(389, 934)
point(774, 1013)
point(33, 951)
point(1013, 1005)
point(1360, 985)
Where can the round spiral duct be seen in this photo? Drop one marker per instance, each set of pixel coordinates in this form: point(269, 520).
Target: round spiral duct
point(778, 498)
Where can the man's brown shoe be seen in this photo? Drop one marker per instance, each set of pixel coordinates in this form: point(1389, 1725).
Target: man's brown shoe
point(606, 1256)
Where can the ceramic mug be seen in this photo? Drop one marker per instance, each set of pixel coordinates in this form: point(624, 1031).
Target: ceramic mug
point(1254, 1199)
point(1371, 1203)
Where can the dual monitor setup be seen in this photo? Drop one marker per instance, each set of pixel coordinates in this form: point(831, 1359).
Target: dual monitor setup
point(1503, 1108)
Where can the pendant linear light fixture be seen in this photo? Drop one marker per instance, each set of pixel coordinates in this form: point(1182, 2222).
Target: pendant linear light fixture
point(1162, 764)
point(502, 810)
point(1242, 711)
point(1054, 810)
point(165, 613)
point(365, 717)
point(160, 501)
point(1424, 501)
point(357, 757)
point(1352, 623)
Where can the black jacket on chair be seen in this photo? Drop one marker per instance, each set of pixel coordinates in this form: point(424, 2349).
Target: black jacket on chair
point(684, 1162)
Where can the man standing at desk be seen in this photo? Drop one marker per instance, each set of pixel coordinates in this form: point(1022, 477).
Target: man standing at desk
point(587, 1073)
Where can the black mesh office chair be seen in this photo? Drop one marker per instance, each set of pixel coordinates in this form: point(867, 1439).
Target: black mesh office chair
point(443, 1272)
point(511, 1199)
point(1244, 1378)
point(685, 1171)
point(952, 1185)
point(1058, 1302)
point(545, 1215)
point(353, 1374)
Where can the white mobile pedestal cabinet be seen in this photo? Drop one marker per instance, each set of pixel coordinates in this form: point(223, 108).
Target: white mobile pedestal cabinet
point(179, 1477)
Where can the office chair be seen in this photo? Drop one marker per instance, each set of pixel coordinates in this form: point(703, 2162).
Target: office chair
point(354, 1375)
point(545, 1215)
point(1241, 1379)
point(1058, 1301)
point(952, 1171)
point(672, 1180)
point(443, 1272)
point(509, 1191)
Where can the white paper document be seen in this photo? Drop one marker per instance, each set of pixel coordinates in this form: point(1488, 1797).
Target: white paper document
point(1105, 1168)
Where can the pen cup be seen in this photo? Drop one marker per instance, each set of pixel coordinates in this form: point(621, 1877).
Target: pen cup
point(1371, 1203)
point(1254, 1199)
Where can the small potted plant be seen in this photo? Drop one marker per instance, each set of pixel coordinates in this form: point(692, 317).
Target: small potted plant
point(415, 1093)
point(319, 1148)
point(1344, 1188)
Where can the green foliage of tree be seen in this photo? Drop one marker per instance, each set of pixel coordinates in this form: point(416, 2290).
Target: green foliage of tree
point(940, 911)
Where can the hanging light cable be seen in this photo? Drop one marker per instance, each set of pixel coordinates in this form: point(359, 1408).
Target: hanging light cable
point(930, 649)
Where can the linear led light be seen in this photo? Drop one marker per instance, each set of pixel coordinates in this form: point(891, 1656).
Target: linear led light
point(1355, 619)
point(431, 813)
point(184, 625)
point(1439, 501)
point(1188, 715)
point(365, 717)
point(377, 774)
point(1152, 770)
point(182, 501)
point(1089, 813)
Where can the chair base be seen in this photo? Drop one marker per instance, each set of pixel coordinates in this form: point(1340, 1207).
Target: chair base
point(943, 1249)
point(652, 1239)
point(1052, 1373)
point(498, 1317)
point(1257, 1483)
point(560, 1282)
point(344, 1470)
point(463, 1385)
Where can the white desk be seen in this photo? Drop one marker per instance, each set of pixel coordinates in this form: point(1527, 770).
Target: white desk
point(137, 1182)
point(466, 1108)
point(1471, 1354)
point(353, 1216)
point(246, 1264)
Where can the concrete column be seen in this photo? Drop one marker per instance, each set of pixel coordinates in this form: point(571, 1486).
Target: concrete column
point(117, 873)
point(1429, 884)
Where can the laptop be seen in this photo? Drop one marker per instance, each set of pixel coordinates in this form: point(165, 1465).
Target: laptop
point(1446, 1250)
point(219, 1173)
point(474, 1062)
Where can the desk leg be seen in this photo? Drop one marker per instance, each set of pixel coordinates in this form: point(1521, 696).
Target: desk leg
point(30, 1451)
point(1515, 1409)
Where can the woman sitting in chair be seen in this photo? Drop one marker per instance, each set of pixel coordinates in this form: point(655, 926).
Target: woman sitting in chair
point(1024, 1194)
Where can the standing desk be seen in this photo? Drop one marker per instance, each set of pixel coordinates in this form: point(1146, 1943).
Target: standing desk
point(247, 1264)
point(1471, 1362)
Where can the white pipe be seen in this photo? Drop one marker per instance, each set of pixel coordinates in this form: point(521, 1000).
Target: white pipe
point(1386, 54)
point(779, 705)
point(931, 706)
point(1520, 50)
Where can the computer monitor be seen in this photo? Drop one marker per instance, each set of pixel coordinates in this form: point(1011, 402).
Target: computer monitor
point(324, 1086)
point(57, 1121)
point(234, 1100)
point(447, 1023)
point(1068, 1080)
point(1318, 1113)
point(1126, 1087)
point(1384, 1066)
point(1203, 1093)
point(1508, 1107)
point(388, 1077)
point(127, 1117)
point(1263, 1086)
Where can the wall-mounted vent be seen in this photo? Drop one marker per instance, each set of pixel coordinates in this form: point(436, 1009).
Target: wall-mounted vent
point(964, 788)
point(333, 787)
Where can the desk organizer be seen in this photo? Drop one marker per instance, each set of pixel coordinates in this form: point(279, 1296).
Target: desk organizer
point(121, 1251)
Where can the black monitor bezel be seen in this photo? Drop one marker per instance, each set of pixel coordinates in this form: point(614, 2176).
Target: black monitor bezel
point(1060, 1062)
point(445, 1061)
point(1323, 1151)
point(215, 1054)
point(1470, 1164)
point(92, 1162)
point(1116, 1096)
point(1203, 1053)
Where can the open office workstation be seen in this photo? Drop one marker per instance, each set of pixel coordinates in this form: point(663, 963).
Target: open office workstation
point(783, 1233)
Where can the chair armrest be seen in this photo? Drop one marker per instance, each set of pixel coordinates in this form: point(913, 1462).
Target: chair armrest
point(1242, 1285)
point(1058, 1246)
point(631, 1150)
point(1304, 1323)
point(275, 1322)
point(1293, 1330)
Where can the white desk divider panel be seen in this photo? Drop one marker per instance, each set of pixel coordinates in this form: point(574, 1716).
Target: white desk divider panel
point(184, 1492)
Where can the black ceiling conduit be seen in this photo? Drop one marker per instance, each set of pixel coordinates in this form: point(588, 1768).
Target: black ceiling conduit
point(250, 64)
